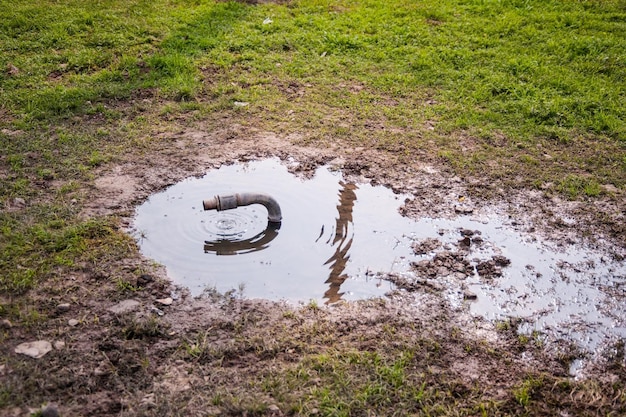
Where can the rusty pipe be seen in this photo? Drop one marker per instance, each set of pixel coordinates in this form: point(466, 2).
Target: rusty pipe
point(231, 201)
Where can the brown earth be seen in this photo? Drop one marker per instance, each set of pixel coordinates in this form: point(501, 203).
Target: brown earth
point(220, 355)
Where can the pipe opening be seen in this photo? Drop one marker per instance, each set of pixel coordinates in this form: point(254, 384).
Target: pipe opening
point(231, 201)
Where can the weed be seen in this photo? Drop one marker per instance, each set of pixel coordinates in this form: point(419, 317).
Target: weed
point(134, 328)
point(503, 326)
point(523, 394)
point(195, 348)
point(125, 286)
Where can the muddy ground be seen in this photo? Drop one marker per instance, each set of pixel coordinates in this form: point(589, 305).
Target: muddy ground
point(223, 355)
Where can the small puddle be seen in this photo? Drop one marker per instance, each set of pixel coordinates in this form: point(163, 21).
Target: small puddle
point(339, 240)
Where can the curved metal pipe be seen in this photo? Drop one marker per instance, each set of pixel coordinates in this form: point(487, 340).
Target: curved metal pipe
point(231, 201)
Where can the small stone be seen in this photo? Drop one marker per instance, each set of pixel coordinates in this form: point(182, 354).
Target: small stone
point(240, 104)
point(157, 311)
point(59, 344)
point(6, 324)
point(468, 295)
point(19, 202)
point(463, 209)
point(165, 301)
point(35, 349)
point(12, 70)
point(273, 408)
point(465, 242)
point(125, 306)
point(64, 307)
point(73, 322)
point(50, 411)
point(144, 279)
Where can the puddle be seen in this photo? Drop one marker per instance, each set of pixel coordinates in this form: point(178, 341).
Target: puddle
point(338, 239)
point(332, 235)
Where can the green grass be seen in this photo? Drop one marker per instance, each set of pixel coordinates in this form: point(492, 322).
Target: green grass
point(395, 374)
point(36, 242)
point(518, 79)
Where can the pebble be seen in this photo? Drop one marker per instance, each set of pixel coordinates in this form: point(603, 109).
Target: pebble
point(50, 411)
point(12, 70)
point(35, 349)
point(6, 324)
point(72, 322)
point(464, 209)
point(125, 306)
point(273, 408)
point(157, 311)
point(59, 344)
point(64, 307)
point(144, 279)
point(468, 295)
point(19, 202)
point(165, 301)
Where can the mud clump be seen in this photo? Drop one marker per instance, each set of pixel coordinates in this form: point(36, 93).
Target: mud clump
point(492, 268)
point(470, 237)
point(426, 246)
point(445, 263)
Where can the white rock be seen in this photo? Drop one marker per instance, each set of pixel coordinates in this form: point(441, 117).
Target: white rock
point(165, 301)
point(59, 344)
point(125, 306)
point(35, 349)
point(72, 322)
point(61, 308)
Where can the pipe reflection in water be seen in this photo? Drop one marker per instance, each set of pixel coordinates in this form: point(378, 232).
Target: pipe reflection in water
point(344, 235)
point(256, 243)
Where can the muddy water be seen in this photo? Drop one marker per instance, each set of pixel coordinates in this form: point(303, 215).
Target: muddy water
point(332, 235)
point(338, 239)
